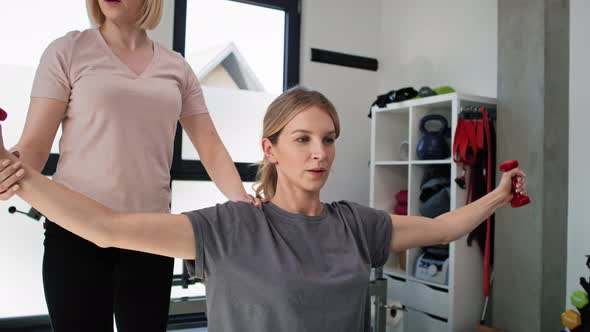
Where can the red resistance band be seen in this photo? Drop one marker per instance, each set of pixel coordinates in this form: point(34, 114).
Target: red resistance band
point(471, 137)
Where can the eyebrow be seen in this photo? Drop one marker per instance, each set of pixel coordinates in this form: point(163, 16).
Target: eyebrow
point(309, 132)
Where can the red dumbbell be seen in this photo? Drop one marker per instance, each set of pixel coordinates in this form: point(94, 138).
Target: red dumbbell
point(518, 199)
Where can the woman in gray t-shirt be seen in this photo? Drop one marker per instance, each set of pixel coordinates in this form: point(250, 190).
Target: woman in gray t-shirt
point(297, 264)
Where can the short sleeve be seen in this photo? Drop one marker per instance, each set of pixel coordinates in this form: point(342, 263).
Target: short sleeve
point(378, 230)
point(213, 229)
point(193, 101)
point(52, 75)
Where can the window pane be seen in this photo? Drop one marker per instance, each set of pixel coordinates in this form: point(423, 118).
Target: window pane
point(22, 45)
point(247, 39)
point(189, 196)
point(238, 117)
point(237, 52)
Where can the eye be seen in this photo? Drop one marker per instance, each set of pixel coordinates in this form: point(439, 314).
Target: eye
point(329, 140)
point(302, 139)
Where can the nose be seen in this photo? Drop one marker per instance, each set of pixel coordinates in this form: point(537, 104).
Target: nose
point(318, 151)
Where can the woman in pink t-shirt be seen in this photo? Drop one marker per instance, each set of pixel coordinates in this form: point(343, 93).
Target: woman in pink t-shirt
point(118, 96)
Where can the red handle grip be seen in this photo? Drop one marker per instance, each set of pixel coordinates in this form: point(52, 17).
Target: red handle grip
point(3, 115)
point(518, 199)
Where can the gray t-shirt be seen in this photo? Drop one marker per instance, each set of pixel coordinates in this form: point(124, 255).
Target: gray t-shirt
point(271, 270)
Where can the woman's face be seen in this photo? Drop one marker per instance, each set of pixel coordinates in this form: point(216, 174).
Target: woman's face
point(122, 11)
point(305, 150)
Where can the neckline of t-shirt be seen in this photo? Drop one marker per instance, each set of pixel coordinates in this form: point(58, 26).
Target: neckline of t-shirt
point(299, 216)
point(112, 54)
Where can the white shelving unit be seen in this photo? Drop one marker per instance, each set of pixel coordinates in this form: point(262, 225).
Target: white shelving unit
point(431, 307)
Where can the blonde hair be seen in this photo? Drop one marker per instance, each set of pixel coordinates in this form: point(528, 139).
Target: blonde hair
point(282, 110)
point(151, 14)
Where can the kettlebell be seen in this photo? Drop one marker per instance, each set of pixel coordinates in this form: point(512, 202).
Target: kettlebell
point(433, 145)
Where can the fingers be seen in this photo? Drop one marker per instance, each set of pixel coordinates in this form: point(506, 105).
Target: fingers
point(521, 189)
point(8, 168)
point(521, 181)
point(9, 176)
point(256, 201)
point(6, 195)
point(516, 172)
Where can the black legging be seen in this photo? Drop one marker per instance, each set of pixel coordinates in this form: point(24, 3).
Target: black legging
point(85, 284)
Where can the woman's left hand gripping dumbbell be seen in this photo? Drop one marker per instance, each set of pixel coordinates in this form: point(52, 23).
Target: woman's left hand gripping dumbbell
point(11, 170)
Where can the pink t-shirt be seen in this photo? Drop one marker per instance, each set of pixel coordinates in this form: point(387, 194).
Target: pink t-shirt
point(119, 127)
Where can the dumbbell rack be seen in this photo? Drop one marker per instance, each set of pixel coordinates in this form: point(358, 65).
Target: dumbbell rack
point(428, 306)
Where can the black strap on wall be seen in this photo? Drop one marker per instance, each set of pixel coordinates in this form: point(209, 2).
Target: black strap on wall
point(343, 59)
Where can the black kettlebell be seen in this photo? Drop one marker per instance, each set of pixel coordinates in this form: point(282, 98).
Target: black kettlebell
point(433, 145)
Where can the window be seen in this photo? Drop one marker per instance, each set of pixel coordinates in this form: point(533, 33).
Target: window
point(244, 53)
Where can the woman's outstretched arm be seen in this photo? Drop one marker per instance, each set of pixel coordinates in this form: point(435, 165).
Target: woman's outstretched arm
point(413, 231)
point(162, 234)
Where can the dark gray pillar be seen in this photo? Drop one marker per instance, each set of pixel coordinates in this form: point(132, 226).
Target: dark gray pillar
point(533, 93)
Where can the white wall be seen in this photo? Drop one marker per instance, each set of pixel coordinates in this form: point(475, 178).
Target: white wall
point(348, 26)
point(579, 159)
point(445, 42)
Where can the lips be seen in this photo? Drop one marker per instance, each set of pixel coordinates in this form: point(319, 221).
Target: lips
point(316, 171)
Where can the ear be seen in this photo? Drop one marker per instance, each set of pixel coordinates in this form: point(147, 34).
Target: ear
point(268, 150)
